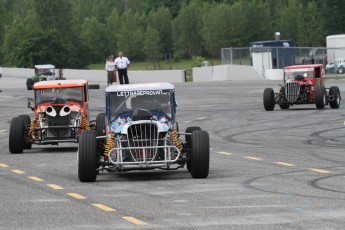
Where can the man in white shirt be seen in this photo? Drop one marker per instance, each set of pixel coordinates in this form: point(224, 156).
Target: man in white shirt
point(122, 64)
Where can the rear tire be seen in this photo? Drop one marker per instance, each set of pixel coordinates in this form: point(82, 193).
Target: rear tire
point(284, 106)
point(269, 101)
point(100, 131)
point(87, 157)
point(335, 104)
point(30, 83)
point(200, 154)
point(340, 70)
point(16, 137)
point(27, 121)
point(320, 100)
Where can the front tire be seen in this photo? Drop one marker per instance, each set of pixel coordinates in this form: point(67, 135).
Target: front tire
point(335, 104)
point(16, 137)
point(87, 157)
point(320, 100)
point(340, 70)
point(27, 122)
point(269, 101)
point(200, 154)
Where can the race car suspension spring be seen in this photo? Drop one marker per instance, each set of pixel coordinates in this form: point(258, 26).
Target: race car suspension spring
point(31, 130)
point(86, 123)
point(109, 146)
point(176, 139)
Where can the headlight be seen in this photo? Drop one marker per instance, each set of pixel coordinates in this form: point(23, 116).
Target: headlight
point(65, 111)
point(51, 111)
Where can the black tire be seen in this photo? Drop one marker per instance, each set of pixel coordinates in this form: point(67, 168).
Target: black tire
point(269, 101)
point(30, 83)
point(200, 154)
point(94, 86)
point(100, 131)
point(340, 70)
point(27, 121)
point(320, 100)
point(335, 104)
point(16, 137)
point(190, 130)
point(189, 140)
point(87, 157)
point(284, 106)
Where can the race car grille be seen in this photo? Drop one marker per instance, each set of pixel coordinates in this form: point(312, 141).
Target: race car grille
point(58, 121)
point(292, 91)
point(143, 139)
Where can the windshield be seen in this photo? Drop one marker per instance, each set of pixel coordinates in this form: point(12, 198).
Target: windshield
point(49, 72)
point(305, 72)
point(126, 102)
point(70, 94)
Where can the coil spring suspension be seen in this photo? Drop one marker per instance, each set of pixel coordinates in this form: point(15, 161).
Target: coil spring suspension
point(176, 139)
point(108, 146)
point(86, 123)
point(31, 130)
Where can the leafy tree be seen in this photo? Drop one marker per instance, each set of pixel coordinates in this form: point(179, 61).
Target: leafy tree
point(160, 20)
point(92, 35)
point(152, 46)
point(45, 47)
point(111, 31)
point(216, 31)
point(130, 35)
point(186, 30)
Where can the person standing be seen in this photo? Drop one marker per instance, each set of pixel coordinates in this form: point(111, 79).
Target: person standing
point(110, 67)
point(122, 65)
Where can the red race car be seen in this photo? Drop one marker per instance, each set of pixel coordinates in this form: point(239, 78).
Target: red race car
point(303, 84)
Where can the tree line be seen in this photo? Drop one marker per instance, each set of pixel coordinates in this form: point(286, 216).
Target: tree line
point(76, 33)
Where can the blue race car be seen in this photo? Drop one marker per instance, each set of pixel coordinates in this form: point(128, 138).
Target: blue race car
point(139, 131)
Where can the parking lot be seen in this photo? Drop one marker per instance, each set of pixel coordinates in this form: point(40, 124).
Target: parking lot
point(268, 170)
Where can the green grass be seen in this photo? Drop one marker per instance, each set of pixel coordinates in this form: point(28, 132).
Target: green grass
point(164, 65)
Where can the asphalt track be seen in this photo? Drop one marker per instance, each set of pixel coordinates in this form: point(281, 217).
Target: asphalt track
point(269, 170)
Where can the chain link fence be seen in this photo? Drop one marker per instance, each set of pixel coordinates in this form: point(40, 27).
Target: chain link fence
point(261, 58)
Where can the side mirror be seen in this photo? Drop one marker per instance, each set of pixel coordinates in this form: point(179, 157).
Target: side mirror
point(94, 86)
point(29, 104)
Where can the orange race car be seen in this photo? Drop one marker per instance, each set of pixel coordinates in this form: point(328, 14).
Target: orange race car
point(61, 113)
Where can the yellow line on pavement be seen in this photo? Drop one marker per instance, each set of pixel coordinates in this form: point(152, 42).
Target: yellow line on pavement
point(254, 158)
point(35, 178)
point(344, 122)
point(55, 186)
point(2, 130)
point(18, 171)
point(201, 118)
point(77, 196)
point(225, 153)
point(217, 115)
point(285, 164)
point(2, 165)
point(134, 220)
point(186, 122)
point(319, 170)
point(105, 208)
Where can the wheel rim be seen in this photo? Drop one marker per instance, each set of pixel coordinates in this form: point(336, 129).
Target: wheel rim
point(324, 99)
point(338, 99)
